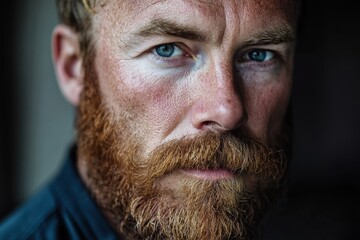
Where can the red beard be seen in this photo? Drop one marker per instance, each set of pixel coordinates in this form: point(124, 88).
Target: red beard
point(128, 186)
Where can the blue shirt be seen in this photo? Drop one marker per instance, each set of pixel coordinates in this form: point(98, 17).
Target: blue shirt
point(64, 209)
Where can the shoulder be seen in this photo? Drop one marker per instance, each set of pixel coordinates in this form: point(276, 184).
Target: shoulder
point(31, 218)
point(64, 209)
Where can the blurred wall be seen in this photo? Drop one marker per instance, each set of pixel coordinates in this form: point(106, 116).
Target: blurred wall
point(44, 117)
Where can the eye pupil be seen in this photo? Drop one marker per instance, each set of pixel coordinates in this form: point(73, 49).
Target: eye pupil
point(257, 55)
point(166, 50)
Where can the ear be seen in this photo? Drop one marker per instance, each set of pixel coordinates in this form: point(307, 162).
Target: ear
point(68, 62)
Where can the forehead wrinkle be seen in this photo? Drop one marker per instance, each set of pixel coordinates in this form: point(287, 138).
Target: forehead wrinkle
point(139, 5)
point(149, 4)
point(211, 2)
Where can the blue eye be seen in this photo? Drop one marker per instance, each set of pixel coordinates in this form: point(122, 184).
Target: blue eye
point(166, 50)
point(169, 50)
point(259, 55)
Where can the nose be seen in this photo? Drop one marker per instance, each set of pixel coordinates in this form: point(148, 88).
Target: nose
point(219, 106)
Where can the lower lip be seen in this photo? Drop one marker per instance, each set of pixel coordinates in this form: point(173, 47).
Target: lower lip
point(213, 174)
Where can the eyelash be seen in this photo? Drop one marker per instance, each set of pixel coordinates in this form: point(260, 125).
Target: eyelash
point(171, 60)
point(244, 62)
point(172, 46)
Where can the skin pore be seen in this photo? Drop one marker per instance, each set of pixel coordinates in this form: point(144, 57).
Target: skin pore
point(181, 116)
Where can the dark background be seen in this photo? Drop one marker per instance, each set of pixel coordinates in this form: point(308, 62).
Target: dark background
point(323, 188)
point(323, 181)
point(8, 113)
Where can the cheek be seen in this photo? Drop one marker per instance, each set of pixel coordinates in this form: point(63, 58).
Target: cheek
point(156, 103)
point(266, 107)
point(161, 107)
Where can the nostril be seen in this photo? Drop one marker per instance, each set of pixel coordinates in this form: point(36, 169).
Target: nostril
point(212, 125)
point(208, 124)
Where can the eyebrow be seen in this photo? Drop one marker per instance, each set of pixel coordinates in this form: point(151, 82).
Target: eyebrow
point(165, 27)
point(156, 27)
point(272, 36)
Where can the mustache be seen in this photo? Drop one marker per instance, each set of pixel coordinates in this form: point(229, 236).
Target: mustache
point(239, 155)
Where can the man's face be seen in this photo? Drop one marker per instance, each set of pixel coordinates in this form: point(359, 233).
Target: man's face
point(181, 109)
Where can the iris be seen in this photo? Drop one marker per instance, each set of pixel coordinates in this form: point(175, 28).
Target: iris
point(165, 50)
point(259, 55)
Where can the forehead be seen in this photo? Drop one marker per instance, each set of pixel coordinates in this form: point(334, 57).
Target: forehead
point(219, 19)
point(139, 4)
point(210, 8)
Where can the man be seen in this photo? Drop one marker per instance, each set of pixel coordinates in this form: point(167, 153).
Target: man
point(181, 130)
